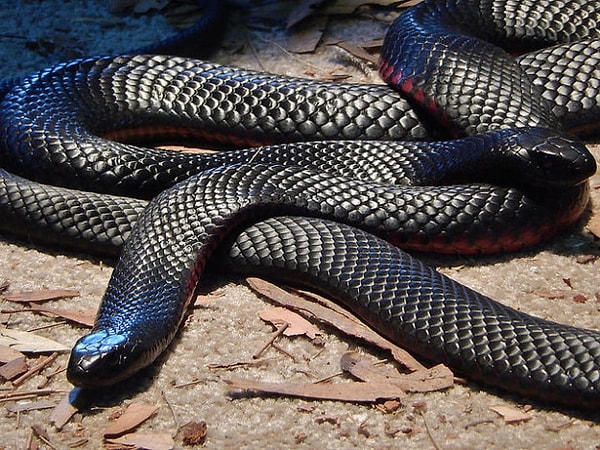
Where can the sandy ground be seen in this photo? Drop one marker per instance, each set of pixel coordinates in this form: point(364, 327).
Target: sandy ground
point(228, 329)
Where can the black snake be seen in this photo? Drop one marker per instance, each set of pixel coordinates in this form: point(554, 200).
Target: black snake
point(50, 123)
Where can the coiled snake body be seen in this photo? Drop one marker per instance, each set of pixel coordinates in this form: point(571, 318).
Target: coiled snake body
point(451, 77)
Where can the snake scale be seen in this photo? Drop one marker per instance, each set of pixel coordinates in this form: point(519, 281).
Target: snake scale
point(521, 181)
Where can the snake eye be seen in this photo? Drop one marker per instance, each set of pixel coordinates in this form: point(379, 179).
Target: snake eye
point(96, 358)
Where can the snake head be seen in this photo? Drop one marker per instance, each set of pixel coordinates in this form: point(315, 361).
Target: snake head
point(552, 158)
point(102, 358)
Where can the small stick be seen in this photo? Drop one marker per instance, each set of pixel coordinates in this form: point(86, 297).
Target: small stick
point(39, 366)
point(284, 351)
point(274, 336)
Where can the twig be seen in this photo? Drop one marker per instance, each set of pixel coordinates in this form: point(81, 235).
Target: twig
point(44, 327)
point(274, 336)
point(430, 434)
point(253, 363)
point(284, 351)
point(255, 155)
point(41, 434)
point(295, 58)
point(35, 369)
point(254, 53)
point(177, 424)
point(18, 395)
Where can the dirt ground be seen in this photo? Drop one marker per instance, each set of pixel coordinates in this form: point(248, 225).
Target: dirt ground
point(228, 330)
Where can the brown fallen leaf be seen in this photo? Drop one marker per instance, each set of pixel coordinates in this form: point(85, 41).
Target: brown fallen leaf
point(63, 412)
point(593, 224)
point(41, 363)
point(31, 406)
point(550, 295)
point(305, 37)
point(120, 6)
point(202, 300)
point(182, 15)
point(349, 392)
point(41, 433)
point(194, 433)
point(42, 295)
point(358, 52)
point(14, 368)
point(8, 354)
point(585, 259)
point(390, 406)
point(332, 315)
point(345, 7)
point(150, 441)
point(134, 415)
point(434, 379)
point(27, 342)
point(84, 317)
point(301, 11)
point(511, 415)
point(296, 324)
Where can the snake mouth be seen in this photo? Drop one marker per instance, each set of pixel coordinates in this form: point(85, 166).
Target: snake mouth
point(102, 358)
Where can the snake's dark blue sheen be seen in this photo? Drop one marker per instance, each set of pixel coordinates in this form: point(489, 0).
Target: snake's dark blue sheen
point(471, 91)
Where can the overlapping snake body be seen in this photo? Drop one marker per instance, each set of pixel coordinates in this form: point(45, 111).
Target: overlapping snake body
point(152, 283)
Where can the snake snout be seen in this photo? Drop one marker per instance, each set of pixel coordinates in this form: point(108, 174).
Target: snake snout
point(101, 359)
point(555, 158)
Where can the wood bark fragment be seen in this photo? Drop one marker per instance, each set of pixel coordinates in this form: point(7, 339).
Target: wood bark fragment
point(350, 392)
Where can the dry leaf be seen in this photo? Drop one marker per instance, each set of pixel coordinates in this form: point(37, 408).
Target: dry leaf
point(63, 411)
point(27, 342)
point(511, 415)
point(593, 224)
point(31, 406)
point(183, 15)
point(303, 10)
point(434, 379)
point(296, 324)
point(359, 366)
point(149, 441)
point(585, 259)
point(41, 295)
point(8, 354)
point(14, 368)
point(84, 317)
point(120, 6)
point(202, 300)
point(350, 392)
point(358, 52)
point(40, 432)
point(350, 6)
point(335, 316)
point(194, 433)
point(550, 295)
point(306, 37)
point(134, 415)
point(390, 406)
point(144, 6)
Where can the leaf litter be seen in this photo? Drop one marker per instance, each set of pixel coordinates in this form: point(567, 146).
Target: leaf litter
point(376, 383)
